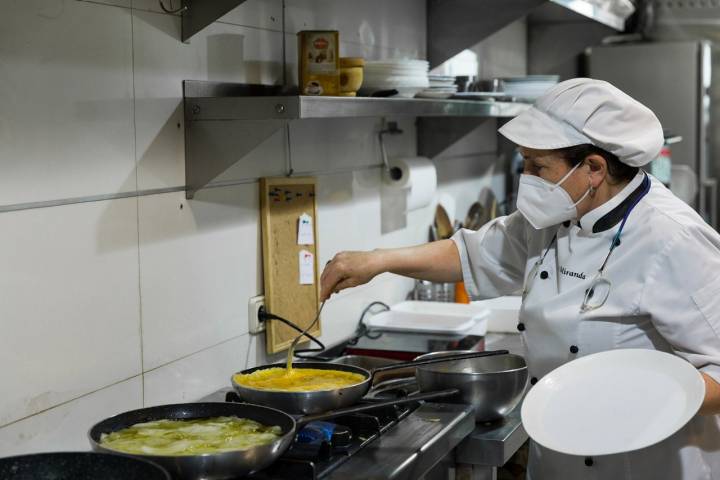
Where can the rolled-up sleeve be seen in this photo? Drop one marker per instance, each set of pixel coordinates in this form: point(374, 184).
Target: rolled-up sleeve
point(682, 295)
point(494, 257)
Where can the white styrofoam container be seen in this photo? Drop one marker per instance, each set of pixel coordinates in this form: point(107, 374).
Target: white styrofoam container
point(502, 313)
point(436, 317)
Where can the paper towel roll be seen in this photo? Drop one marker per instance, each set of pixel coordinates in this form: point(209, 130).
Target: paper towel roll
point(418, 175)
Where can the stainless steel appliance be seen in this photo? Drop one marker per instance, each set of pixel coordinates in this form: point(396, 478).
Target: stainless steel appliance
point(673, 79)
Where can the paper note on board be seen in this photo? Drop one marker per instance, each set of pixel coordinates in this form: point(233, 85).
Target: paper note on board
point(307, 267)
point(305, 230)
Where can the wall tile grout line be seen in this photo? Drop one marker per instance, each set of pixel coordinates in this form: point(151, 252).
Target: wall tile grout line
point(188, 355)
point(137, 209)
point(69, 401)
point(159, 191)
point(103, 4)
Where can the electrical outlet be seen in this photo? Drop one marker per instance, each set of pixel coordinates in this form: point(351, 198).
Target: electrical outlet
point(254, 306)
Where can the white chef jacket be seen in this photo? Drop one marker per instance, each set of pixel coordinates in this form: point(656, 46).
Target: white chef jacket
point(665, 295)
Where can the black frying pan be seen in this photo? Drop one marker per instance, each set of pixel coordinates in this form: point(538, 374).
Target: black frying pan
point(236, 463)
point(79, 466)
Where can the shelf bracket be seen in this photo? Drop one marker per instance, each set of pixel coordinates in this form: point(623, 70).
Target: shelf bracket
point(212, 147)
point(198, 14)
point(454, 25)
point(435, 135)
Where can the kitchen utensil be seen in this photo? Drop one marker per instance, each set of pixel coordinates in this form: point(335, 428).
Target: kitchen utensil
point(79, 466)
point(612, 402)
point(423, 289)
point(494, 385)
point(474, 216)
point(461, 295)
point(233, 464)
point(443, 223)
point(324, 400)
point(432, 234)
point(291, 350)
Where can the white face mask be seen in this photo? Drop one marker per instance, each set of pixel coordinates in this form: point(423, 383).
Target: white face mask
point(544, 204)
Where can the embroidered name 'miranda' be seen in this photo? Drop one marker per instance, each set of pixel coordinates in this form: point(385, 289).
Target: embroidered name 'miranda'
point(567, 272)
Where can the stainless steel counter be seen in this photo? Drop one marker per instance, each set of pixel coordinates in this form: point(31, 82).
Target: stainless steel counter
point(493, 444)
point(413, 446)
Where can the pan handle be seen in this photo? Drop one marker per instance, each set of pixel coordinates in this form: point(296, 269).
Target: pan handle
point(372, 406)
point(429, 361)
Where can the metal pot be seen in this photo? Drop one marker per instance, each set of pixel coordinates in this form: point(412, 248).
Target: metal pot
point(494, 385)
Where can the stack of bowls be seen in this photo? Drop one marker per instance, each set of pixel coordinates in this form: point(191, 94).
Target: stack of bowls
point(441, 86)
point(529, 87)
point(408, 77)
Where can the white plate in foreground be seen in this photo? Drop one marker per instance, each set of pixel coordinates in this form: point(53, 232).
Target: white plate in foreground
point(612, 402)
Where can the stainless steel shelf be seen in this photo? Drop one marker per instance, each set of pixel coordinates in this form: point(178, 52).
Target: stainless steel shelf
point(223, 123)
point(306, 107)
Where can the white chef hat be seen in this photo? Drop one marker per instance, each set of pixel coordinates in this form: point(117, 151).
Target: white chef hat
point(583, 110)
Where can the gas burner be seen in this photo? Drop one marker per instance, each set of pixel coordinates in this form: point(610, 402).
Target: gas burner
point(321, 447)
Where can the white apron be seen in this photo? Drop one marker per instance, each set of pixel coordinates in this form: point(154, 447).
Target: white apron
point(665, 295)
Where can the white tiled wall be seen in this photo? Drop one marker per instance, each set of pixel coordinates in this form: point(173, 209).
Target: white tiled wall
point(110, 305)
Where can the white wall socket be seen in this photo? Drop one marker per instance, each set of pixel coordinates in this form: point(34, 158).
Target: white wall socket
point(254, 325)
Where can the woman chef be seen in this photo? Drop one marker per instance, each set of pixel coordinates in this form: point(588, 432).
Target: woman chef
point(605, 256)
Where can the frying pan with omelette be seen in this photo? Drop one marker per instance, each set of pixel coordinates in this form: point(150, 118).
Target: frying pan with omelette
point(315, 387)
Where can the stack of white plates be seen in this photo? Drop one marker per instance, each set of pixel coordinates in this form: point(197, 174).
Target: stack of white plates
point(530, 87)
point(408, 77)
point(441, 86)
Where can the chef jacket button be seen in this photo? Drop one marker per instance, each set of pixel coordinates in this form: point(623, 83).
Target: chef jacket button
point(573, 349)
point(566, 223)
point(543, 274)
point(589, 461)
point(533, 380)
point(521, 327)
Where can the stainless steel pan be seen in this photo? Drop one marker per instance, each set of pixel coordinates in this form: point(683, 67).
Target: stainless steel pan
point(493, 386)
point(237, 463)
point(324, 400)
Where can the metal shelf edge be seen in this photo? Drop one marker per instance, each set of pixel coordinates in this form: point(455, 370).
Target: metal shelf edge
point(307, 107)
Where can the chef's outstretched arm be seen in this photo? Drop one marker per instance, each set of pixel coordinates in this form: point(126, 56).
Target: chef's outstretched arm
point(435, 261)
point(711, 403)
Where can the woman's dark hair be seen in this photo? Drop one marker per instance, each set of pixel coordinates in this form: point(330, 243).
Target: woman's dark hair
point(618, 171)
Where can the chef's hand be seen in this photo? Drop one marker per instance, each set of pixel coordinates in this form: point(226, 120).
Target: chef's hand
point(436, 261)
point(348, 269)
